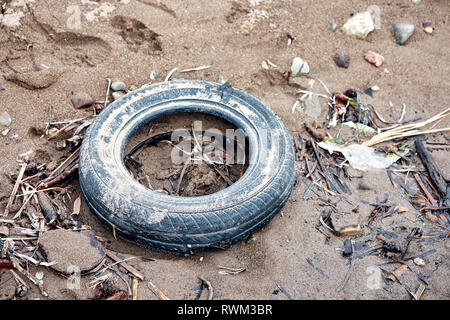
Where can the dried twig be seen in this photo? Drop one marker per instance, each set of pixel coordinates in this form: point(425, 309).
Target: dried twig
point(14, 192)
point(128, 267)
point(157, 291)
point(409, 130)
point(170, 74)
point(135, 288)
point(107, 92)
point(208, 285)
point(197, 68)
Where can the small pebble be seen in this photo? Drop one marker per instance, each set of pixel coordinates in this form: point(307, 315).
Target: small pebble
point(118, 86)
point(375, 88)
point(82, 101)
point(419, 262)
point(365, 186)
point(153, 75)
point(402, 32)
point(333, 27)
point(39, 275)
point(427, 27)
point(342, 60)
point(61, 145)
point(117, 95)
point(431, 217)
point(374, 58)
point(221, 80)
point(5, 132)
point(5, 119)
point(416, 1)
point(369, 92)
point(299, 67)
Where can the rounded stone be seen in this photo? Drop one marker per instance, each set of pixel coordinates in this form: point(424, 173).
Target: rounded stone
point(118, 86)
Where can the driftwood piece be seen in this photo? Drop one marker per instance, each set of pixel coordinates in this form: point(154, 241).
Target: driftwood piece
point(436, 175)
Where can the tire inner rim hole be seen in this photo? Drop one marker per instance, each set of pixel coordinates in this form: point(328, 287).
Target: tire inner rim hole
point(187, 154)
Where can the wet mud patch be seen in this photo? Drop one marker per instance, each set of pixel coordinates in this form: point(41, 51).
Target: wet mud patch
point(163, 167)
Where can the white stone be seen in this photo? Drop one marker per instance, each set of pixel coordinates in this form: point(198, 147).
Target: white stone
point(359, 26)
point(299, 67)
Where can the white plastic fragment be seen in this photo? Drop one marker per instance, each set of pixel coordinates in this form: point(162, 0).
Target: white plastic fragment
point(361, 157)
point(360, 127)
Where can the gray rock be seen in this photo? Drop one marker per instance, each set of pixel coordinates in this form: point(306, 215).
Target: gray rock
point(118, 86)
point(402, 32)
point(342, 60)
point(333, 27)
point(365, 186)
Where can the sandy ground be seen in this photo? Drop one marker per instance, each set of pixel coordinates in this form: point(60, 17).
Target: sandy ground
point(137, 38)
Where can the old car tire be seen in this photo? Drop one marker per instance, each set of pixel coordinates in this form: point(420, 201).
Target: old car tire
point(182, 224)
